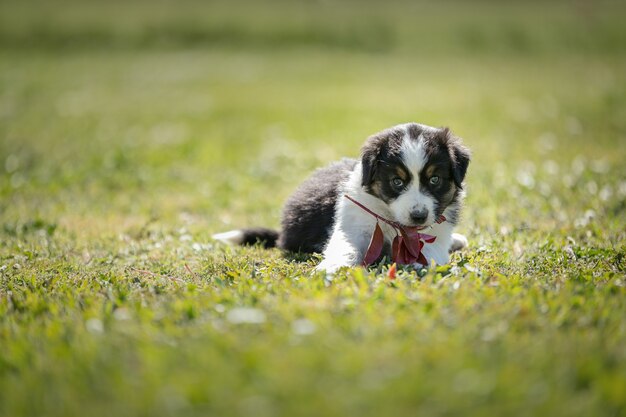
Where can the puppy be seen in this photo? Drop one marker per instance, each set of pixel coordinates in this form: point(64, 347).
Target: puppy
point(410, 175)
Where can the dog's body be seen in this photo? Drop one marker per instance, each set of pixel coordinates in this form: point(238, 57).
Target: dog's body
point(410, 174)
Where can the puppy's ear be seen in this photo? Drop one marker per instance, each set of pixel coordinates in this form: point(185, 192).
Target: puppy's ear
point(460, 156)
point(377, 147)
point(370, 154)
point(369, 157)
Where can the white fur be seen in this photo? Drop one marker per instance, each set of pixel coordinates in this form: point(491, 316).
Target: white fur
point(458, 242)
point(233, 237)
point(413, 199)
point(353, 227)
point(353, 230)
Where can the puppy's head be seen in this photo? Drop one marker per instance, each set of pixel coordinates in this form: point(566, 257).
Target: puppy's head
point(416, 169)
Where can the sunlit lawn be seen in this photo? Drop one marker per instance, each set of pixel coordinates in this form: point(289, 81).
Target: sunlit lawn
point(129, 135)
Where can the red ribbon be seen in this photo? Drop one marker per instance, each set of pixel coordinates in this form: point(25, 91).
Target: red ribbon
point(407, 245)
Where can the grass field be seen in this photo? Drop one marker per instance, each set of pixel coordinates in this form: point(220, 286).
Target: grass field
point(130, 132)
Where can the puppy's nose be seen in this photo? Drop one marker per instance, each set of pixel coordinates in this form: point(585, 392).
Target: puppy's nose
point(419, 216)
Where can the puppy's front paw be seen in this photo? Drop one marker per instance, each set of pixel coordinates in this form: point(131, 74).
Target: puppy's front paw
point(458, 242)
point(328, 267)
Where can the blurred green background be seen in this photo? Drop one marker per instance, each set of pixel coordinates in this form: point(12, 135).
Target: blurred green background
point(172, 102)
point(132, 131)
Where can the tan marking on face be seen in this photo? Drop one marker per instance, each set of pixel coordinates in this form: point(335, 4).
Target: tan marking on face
point(430, 171)
point(402, 173)
point(377, 188)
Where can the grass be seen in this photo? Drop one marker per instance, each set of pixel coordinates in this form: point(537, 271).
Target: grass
point(129, 133)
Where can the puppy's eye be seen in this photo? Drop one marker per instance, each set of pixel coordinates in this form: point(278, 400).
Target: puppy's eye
point(397, 182)
point(434, 180)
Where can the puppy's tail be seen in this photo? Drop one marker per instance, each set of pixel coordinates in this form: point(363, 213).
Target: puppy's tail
point(267, 238)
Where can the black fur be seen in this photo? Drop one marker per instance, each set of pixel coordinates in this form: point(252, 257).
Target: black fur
point(378, 148)
point(448, 159)
point(441, 164)
point(382, 161)
point(461, 159)
point(265, 237)
point(309, 214)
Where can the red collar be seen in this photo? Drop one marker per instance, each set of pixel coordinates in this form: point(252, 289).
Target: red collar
point(407, 245)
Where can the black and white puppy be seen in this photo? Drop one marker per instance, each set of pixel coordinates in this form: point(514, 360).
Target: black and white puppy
point(410, 174)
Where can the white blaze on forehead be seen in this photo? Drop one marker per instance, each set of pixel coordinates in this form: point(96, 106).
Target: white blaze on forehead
point(413, 155)
point(414, 158)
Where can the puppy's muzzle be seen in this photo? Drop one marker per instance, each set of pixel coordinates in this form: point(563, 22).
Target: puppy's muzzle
point(419, 216)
